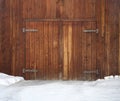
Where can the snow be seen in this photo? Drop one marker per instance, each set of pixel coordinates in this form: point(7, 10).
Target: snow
point(8, 80)
point(107, 89)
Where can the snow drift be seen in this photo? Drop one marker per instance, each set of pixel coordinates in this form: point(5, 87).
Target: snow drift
point(8, 80)
point(107, 89)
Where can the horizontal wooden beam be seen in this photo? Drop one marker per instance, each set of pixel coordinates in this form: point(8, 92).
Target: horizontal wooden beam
point(37, 20)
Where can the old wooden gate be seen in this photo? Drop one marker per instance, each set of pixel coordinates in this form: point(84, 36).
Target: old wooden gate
point(60, 39)
point(42, 50)
point(79, 49)
point(60, 50)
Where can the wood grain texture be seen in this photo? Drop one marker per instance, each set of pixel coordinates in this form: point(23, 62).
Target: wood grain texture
point(5, 51)
point(119, 47)
point(42, 50)
point(17, 37)
point(65, 52)
point(1, 25)
point(79, 50)
point(101, 53)
point(102, 17)
point(67, 9)
point(60, 49)
point(111, 38)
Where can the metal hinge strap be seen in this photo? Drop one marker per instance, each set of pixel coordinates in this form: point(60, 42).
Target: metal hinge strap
point(29, 70)
point(91, 72)
point(29, 30)
point(91, 31)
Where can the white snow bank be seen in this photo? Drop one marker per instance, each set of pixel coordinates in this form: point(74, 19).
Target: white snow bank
point(8, 79)
point(101, 90)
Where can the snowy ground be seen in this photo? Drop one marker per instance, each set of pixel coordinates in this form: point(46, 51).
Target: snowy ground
point(107, 89)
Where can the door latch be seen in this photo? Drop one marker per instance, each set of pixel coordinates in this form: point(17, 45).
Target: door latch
point(91, 31)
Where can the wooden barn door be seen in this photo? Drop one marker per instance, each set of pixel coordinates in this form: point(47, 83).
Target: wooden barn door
point(61, 50)
point(42, 54)
point(79, 47)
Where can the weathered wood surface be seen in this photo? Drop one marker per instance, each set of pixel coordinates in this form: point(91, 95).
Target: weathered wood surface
point(67, 9)
point(119, 48)
point(112, 37)
point(62, 51)
point(42, 49)
point(5, 46)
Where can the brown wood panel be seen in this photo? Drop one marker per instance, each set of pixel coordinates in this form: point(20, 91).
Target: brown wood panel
point(83, 50)
point(5, 50)
point(40, 68)
point(51, 54)
point(27, 51)
point(37, 53)
point(101, 25)
point(79, 50)
point(46, 50)
point(42, 50)
point(119, 47)
point(12, 40)
point(94, 51)
point(111, 38)
point(68, 9)
point(65, 51)
point(89, 50)
point(39, 9)
point(20, 39)
point(16, 38)
point(1, 25)
point(32, 50)
point(56, 50)
point(85, 8)
point(70, 48)
point(51, 8)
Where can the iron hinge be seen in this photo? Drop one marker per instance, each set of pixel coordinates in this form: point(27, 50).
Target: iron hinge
point(91, 31)
point(25, 70)
point(29, 30)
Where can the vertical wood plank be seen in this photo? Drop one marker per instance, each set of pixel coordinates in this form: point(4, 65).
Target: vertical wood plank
point(94, 51)
point(56, 53)
point(77, 51)
point(46, 49)
point(88, 50)
point(102, 18)
point(74, 56)
point(79, 56)
point(27, 50)
point(70, 48)
point(36, 49)
point(13, 12)
point(32, 50)
point(65, 51)
point(41, 45)
point(83, 49)
point(20, 38)
point(1, 25)
point(51, 34)
point(119, 46)
point(107, 41)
